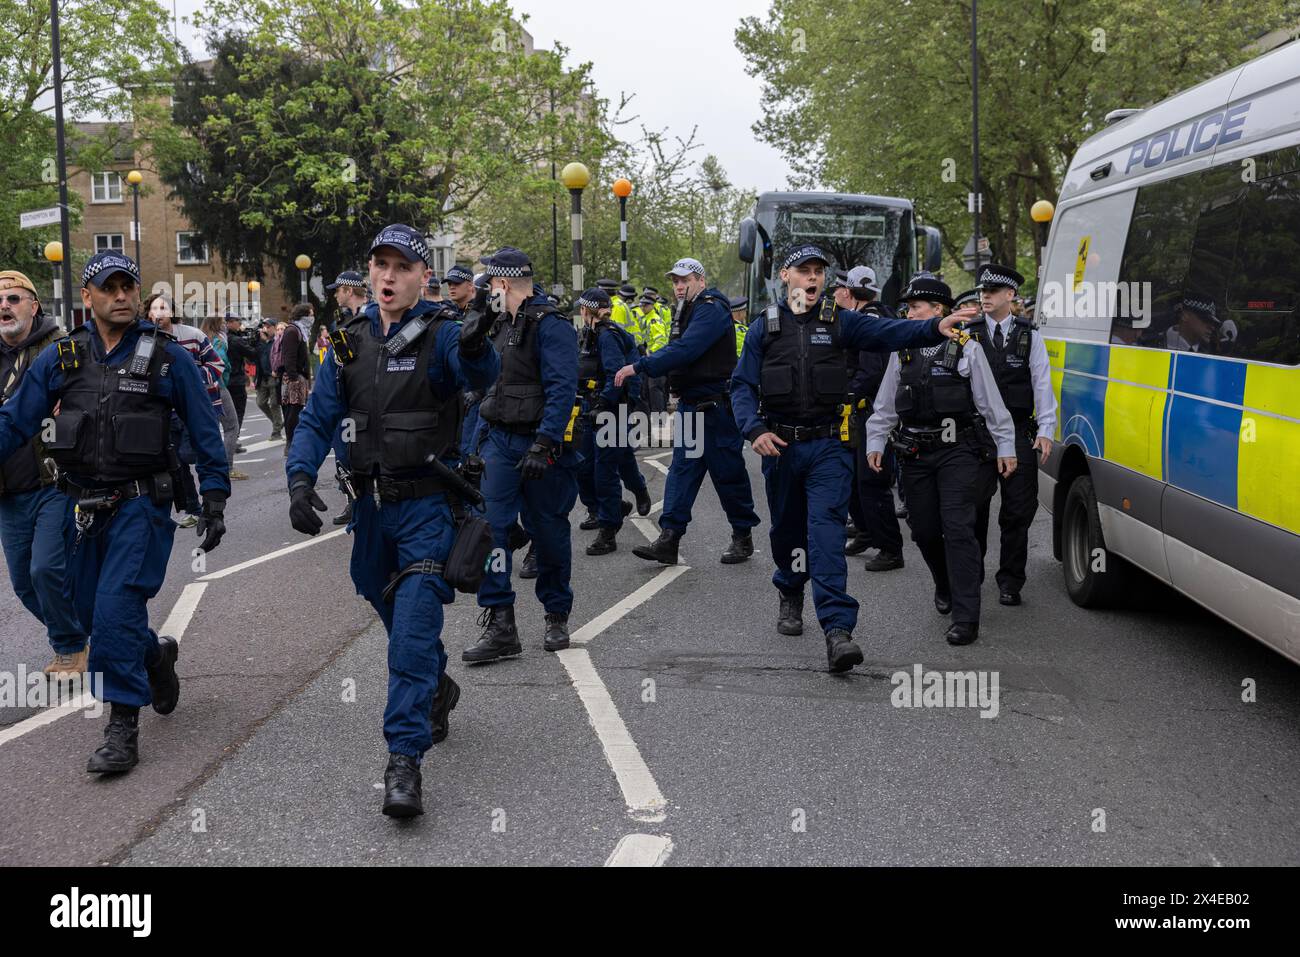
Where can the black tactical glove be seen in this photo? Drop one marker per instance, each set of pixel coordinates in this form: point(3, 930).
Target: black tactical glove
point(481, 299)
point(302, 500)
point(473, 333)
point(212, 523)
point(539, 457)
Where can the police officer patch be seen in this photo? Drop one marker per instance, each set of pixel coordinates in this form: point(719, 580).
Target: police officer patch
point(128, 384)
point(401, 364)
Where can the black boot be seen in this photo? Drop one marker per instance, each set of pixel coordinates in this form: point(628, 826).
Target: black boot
point(500, 638)
point(626, 507)
point(842, 652)
point(557, 632)
point(605, 542)
point(884, 562)
point(789, 620)
point(857, 545)
point(942, 602)
point(528, 569)
point(403, 795)
point(740, 549)
point(345, 516)
point(444, 702)
point(591, 522)
point(121, 748)
point(962, 633)
point(643, 502)
point(164, 683)
point(663, 549)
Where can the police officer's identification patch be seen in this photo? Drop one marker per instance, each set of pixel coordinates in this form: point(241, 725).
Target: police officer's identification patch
point(820, 339)
point(164, 369)
point(401, 364)
point(127, 384)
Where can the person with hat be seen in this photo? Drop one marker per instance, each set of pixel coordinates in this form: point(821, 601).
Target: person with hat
point(609, 462)
point(432, 289)
point(654, 319)
point(33, 513)
point(941, 409)
point(621, 313)
point(1018, 357)
point(116, 381)
point(393, 378)
point(698, 361)
point(529, 447)
point(350, 296)
point(789, 392)
point(872, 504)
point(459, 283)
point(1197, 326)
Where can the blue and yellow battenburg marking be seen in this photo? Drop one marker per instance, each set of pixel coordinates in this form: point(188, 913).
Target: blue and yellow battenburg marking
point(1226, 430)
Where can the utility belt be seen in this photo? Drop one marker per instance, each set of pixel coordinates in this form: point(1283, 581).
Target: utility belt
point(388, 489)
point(94, 498)
point(1026, 423)
point(804, 433)
point(910, 442)
point(707, 402)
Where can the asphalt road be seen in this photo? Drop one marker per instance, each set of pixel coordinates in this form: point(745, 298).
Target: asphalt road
point(684, 729)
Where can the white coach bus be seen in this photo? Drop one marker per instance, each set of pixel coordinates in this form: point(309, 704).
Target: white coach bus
point(1168, 303)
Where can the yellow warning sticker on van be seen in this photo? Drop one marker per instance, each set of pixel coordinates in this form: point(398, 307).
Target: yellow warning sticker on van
point(1081, 262)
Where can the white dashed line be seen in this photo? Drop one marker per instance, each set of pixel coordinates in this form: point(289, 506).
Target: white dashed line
point(640, 850)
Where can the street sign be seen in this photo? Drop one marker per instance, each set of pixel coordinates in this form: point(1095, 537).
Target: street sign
point(968, 262)
point(38, 217)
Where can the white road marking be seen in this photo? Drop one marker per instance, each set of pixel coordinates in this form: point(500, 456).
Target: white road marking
point(214, 576)
point(640, 792)
point(640, 850)
point(654, 458)
point(248, 461)
point(659, 465)
point(591, 629)
point(264, 444)
point(177, 621)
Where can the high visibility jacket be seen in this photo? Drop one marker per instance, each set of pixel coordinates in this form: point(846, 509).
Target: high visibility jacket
point(656, 330)
point(627, 319)
point(741, 329)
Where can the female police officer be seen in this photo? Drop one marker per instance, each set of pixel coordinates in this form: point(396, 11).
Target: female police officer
point(945, 402)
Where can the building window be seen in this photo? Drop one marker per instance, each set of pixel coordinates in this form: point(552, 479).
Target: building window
point(107, 241)
point(105, 187)
point(190, 248)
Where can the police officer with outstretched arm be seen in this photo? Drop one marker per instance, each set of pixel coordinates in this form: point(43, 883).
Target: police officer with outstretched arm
point(950, 424)
point(790, 398)
point(393, 380)
point(1018, 357)
point(116, 381)
point(698, 360)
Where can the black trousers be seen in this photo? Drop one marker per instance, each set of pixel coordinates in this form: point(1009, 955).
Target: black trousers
point(944, 487)
point(1019, 506)
point(872, 501)
point(239, 393)
point(291, 413)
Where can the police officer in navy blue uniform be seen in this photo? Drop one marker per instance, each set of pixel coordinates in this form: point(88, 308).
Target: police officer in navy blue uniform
point(529, 449)
point(609, 461)
point(116, 381)
point(393, 380)
point(950, 423)
point(1018, 357)
point(698, 361)
point(789, 392)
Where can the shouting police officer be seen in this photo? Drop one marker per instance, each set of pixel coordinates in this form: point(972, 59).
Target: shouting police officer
point(529, 454)
point(116, 381)
point(698, 360)
point(1019, 360)
point(393, 381)
point(789, 393)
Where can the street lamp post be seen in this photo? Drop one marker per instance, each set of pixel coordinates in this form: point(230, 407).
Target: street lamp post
point(54, 253)
point(60, 153)
point(622, 189)
point(254, 287)
point(303, 262)
point(977, 199)
point(135, 178)
point(575, 178)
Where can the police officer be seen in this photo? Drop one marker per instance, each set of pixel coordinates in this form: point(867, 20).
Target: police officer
point(874, 517)
point(789, 394)
point(655, 321)
point(945, 403)
point(603, 349)
point(116, 381)
point(394, 375)
point(459, 284)
point(621, 313)
point(698, 360)
point(1018, 357)
point(739, 306)
point(349, 290)
point(528, 446)
point(33, 513)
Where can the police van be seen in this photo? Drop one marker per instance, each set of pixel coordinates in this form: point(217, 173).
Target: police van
point(1168, 304)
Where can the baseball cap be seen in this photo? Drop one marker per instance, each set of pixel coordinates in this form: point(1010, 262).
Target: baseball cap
point(405, 240)
point(687, 267)
point(102, 265)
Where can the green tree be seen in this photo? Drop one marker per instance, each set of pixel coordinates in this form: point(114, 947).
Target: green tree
point(859, 114)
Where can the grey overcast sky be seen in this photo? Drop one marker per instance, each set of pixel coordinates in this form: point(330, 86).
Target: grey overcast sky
point(678, 57)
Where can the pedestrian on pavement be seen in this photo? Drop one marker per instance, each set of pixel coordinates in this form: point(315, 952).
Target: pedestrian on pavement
point(698, 361)
point(530, 453)
point(268, 389)
point(33, 512)
point(295, 369)
point(116, 382)
point(608, 459)
point(951, 424)
point(401, 373)
point(1018, 357)
point(215, 329)
point(790, 392)
point(242, 352)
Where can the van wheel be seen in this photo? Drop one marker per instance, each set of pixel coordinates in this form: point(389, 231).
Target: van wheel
point(1094, 577)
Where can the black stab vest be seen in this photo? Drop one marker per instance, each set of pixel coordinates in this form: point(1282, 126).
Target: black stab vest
point(928, 393)
point(1011, 366)
point(400, 422)
point(517, 399)
point(113, 426)
point(718, 361)
point(805, 373)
